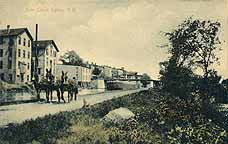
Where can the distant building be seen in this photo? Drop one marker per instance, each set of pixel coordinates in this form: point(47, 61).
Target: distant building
point(121, 73)
point(15, 55)
point(82, 74)
point(118, 73)
point(139, 76)
point(106, 71)
point(47, 56)
point(131, 75)
point(114, 73)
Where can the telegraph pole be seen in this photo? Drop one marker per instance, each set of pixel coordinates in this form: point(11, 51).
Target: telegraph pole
point(36, 50)
point(36, 77)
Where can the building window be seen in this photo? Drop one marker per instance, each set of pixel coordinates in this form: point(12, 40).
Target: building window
point(19, 64)
point(22, 77)
point(2, 77)
point(51, 64)
point(39, 71)
point(27, 77)
point(28, 43)
point(28, 66)
point(1, 40)
point(54, 53)
point(1, 64)
point(9, 64)
point(47, 62)
point(10, 77)
point(54, 63)
point(28, 55)
point(47, 51)
point(1, 52)
point(10, 52)
point(19, 40)
point(11, 41)
point(24, 42)
point(23, 53)
point(19, 52)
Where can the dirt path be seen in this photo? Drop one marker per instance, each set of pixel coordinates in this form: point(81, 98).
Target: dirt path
point(21, 112)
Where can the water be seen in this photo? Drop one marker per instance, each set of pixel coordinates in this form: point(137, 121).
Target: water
point(16, 96)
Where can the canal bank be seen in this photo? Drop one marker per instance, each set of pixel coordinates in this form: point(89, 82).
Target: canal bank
point(21, 112)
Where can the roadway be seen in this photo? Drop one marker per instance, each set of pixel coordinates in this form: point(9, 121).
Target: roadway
point(21, 112)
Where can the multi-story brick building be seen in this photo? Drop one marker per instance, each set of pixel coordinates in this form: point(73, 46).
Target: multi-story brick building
point(15, 55)
point(47, 56)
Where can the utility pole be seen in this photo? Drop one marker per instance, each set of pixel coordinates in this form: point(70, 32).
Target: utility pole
point(36, 81)
point(36, 50)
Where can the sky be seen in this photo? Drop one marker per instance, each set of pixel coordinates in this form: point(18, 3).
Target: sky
point(119, 33)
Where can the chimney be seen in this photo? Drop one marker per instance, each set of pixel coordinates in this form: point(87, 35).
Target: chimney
point(8, 29)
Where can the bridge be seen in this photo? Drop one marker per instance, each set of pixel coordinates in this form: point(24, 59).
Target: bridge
point(156, 83)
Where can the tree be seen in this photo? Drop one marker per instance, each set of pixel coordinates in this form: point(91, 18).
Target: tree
point(192, 46)
point(96, 71)
point(144, 79)
point(71, 58)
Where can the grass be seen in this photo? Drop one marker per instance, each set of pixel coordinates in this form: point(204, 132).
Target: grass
point(86, 130)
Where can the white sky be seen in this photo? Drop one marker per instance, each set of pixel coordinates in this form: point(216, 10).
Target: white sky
point(118, 33)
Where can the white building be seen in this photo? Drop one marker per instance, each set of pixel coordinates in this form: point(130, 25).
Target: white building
point(82, 74)
point(47, 56)
point(107, 71)
point(121, 73)
point(15, 55)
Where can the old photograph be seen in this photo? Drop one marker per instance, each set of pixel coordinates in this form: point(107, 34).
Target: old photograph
point(113, 71)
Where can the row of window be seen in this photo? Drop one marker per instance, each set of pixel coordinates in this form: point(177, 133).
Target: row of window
point(9, 52)
point(47, 63)
point(24, 42)
point(11, 41)
point(52, 52)
point(19, 41)
point(19, 64)
point(10, 64)
point(23, 54)
point(19, 53)
point(10, 77)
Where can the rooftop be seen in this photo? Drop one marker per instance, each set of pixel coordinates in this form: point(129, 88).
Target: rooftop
point(42, 44)
point(14, 32)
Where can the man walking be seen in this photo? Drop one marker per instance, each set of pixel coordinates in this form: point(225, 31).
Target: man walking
point(75, 88)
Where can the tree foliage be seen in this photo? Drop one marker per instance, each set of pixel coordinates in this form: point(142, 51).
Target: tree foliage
point(71, 58)
point(96, 71)
point(193, 46)
point(194, 43)
point(144, 78)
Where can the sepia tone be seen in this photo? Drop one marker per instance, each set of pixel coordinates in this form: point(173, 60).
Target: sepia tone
point(118, 47)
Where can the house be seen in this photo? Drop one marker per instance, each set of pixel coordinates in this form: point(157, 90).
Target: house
point(46, 51)
point(82, 74)
point(15, 55)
